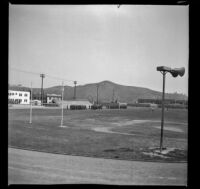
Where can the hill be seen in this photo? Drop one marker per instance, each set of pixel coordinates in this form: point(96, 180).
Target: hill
point(107, 91)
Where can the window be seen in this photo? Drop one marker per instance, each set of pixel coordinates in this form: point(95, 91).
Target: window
point(25, 100)
point(13, 93)
point(17, 101)
point(20, 94)
point(16, 93)
point(25, 95)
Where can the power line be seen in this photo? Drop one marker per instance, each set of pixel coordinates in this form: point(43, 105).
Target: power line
point(58, 78)
point(47, 75)
point(34, 73)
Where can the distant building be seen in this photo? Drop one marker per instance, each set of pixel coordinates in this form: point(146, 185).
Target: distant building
point(36, 102)
point(153, 106)
point(122, 105)
point(159, 101)
point(18, 97)
point(114, 105)
point(76, 103)
point(53, 98)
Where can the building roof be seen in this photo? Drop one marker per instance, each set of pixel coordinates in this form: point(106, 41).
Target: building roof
point(76, 102)
point(53, 95)
point(35, 100)
point(19, 90)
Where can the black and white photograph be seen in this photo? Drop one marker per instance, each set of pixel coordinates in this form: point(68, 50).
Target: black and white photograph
point(98, 94)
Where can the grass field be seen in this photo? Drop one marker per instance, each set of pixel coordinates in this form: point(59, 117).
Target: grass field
point(120, 134)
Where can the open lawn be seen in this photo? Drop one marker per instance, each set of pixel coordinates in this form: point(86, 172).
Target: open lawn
point(119, 134)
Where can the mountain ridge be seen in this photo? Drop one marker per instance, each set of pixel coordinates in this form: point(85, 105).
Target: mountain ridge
point(107, 91)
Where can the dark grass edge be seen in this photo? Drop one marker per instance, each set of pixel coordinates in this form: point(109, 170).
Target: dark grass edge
point(71, 154)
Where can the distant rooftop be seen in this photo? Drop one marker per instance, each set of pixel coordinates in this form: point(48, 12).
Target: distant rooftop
point(18, 88)
point(77, 100)
point(54, 95)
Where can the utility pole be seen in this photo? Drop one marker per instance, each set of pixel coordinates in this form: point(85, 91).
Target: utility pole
point(163, 106)
point(30, 121)
point(175, 72)
point(97, 93)
point(61, 125)
point(75, 82)
point(42, 76)
point(113, 97)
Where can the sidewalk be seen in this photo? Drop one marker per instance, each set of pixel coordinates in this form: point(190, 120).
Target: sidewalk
point(31, 167)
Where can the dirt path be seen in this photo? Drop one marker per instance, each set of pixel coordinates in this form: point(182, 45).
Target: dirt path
point(108, 130)
point(29, 167)
point(133, 123)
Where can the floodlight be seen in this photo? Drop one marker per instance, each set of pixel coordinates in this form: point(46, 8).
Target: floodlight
point(177, 71)
point(163, 68)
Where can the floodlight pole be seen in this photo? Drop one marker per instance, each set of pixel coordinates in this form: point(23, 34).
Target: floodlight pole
point(75, 82)
point(163, 108)
point(30, 121)
point(113, 97)
point(42, 92)
point(97, 94)
point(62, 105)
point(175, 72)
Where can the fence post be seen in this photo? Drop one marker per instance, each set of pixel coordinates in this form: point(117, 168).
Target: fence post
point(62, 106)
point(30, 121)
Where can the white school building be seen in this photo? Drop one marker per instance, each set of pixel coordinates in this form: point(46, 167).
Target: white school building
point(18, 97)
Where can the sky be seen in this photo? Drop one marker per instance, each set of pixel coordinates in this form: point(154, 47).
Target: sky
point(93, 43)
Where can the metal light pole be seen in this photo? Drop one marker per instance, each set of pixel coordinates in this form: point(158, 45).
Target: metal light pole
point(42, 76)
point(75, 82)
point(175, 72)
point(30, 121)
point(113, 96)
point(97, 94)
point(163, 106)
point(90, 98)
point(61, 125)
